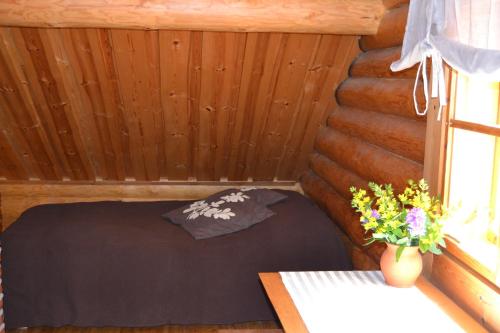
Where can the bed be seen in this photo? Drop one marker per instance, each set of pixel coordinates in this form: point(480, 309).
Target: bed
point(120, 264)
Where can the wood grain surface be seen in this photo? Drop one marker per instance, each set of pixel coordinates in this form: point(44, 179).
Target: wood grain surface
point(354, 17)
point(371, 133)
point(282, 302)
point(134, 105)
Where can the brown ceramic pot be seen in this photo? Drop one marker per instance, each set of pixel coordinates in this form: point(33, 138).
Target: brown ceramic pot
point(404, 272)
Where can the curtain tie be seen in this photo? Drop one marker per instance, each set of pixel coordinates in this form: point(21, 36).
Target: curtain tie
point(438, 82)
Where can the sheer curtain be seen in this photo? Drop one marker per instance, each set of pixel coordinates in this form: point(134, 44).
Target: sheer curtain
point(463, 33)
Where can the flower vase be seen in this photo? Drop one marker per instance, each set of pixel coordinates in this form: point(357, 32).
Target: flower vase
point(404, 272)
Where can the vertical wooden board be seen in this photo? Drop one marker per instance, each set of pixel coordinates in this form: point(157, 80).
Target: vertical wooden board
point(251, 74)
point(269, 51)
point(16, 149)
point(10, 163)
point(325, 103)
point(74, 79)
point(220, 79)
point(146, 97)
point(151, 94)
point(44, 61)
point(59, 51)
point(92, 116)
point(4, 173)
point(121, 59)
point(283, 109)
point(136, 59)
point(314, 80)
point(40, 103)
point(112, 104)
point(229, 118)
point(13, 62)
point(194, 90)
point(212, 51)
point(22, 124)
point(174, 68)
point(120, 50)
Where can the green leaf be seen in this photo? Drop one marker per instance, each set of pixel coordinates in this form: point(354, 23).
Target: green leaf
point(442, 242)
point(423, 248)
point(402, 241)
point(392, 239)
point(398, 233)
point(436, 251)
point(399, 251)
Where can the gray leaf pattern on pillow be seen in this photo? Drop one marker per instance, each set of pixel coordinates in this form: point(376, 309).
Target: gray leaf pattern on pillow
point(235, 197)
point(211, 210)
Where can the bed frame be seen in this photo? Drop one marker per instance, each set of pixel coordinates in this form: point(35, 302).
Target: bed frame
point(17, 198)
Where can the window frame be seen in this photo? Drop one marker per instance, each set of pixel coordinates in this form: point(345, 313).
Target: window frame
point(437, 167)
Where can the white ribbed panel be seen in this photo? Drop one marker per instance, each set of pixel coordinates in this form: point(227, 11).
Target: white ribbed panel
point(360, 301)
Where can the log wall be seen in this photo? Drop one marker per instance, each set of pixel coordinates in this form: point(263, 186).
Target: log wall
point(134, 105)
point(372, 134)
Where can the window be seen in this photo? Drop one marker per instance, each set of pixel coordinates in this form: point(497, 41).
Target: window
point(472, 175)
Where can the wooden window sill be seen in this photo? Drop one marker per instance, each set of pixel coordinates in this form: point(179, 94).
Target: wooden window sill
point(482, 272)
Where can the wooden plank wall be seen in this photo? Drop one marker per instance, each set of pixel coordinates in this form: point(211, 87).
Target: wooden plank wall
point(372, 135)
point(87, 105)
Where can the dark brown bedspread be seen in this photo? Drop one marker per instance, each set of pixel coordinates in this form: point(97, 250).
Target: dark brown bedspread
point(121, 264)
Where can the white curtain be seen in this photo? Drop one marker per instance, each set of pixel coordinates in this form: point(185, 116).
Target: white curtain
point(464, 33)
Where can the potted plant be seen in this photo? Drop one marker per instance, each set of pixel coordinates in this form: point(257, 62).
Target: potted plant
point(407, 223)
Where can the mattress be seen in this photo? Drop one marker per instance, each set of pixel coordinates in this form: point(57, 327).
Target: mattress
point(120, 264)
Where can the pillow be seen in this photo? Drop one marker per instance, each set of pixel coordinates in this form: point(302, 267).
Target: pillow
point(263, 196)
point(224, 212)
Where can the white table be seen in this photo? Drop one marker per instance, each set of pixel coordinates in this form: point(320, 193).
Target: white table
point(360, 301)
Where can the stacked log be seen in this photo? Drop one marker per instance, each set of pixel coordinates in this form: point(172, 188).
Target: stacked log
point(373, 134)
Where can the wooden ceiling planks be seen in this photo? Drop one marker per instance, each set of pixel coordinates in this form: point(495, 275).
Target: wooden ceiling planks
point(114, 105)
point(282, 112)
point(137, 63)
point(323, 72)
point(180, 87)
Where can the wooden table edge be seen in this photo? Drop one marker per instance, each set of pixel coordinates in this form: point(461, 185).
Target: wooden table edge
point(283, 304)
point(292, 321)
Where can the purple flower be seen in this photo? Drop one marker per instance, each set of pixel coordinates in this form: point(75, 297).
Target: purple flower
point(416, 222)
point(374, 214)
